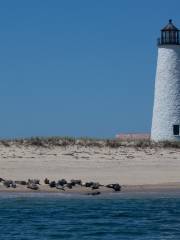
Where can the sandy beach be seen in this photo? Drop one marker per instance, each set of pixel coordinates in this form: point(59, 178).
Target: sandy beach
point(134, 168)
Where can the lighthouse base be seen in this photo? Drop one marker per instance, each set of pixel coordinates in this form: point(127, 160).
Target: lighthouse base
point(164, 131)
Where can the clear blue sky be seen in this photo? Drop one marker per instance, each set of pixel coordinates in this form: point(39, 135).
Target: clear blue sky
point(79, 68)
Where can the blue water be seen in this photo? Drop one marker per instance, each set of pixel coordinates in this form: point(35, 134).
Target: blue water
point(48, 217)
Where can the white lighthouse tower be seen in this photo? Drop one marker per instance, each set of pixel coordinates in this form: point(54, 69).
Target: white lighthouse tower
point(166, 111)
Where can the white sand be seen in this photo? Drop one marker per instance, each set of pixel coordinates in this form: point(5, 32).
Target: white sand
point(125, 165)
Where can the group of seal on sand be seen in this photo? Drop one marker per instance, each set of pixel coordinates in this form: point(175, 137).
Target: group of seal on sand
point(62, 184)
point(31, 183)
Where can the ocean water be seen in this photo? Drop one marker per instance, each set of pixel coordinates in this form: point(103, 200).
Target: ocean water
point(41, 217)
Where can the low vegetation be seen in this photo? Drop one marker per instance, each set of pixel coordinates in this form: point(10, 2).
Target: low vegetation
point(86, 142)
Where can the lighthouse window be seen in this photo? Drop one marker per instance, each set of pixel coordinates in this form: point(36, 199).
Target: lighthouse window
point(176, 130)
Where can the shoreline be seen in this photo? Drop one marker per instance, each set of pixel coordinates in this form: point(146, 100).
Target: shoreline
point(126, 189)
point(135, 169)
point(125, 165)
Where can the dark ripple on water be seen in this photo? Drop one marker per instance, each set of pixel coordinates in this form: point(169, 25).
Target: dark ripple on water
point(89, 218)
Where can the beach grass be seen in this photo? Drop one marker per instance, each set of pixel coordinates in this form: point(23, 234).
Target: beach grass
point(87, 142)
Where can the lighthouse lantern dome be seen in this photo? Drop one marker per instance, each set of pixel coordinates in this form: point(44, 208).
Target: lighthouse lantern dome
point(169, 35)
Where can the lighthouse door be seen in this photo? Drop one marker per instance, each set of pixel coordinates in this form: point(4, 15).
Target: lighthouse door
point(176, 130)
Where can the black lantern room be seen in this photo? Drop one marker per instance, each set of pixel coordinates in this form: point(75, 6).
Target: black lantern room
point(169, 35)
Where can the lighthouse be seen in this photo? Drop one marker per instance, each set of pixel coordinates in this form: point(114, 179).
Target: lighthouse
point(166, 110)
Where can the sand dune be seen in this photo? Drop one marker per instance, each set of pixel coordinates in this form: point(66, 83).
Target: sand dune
point(126, 165)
